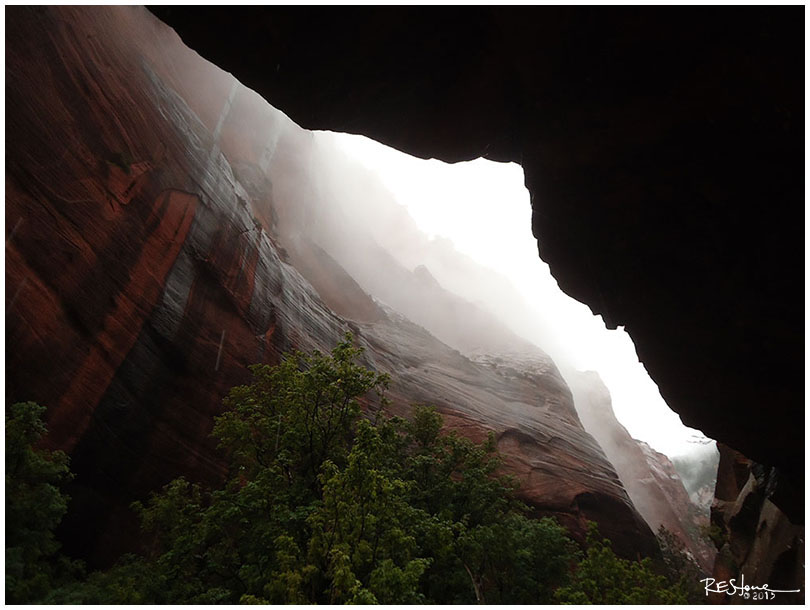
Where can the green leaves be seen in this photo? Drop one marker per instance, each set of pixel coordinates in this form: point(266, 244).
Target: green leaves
point(297, 415)
point(604, 578)
point(365, 521)
point(35, 505)
point(517, 560)
point(320, 505)
point(324, 506)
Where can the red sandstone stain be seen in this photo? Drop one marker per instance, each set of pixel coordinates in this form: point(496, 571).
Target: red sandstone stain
point(126, 181)
point(36, 325)
point(124, 321)
point(246, 278)
point(104, 70)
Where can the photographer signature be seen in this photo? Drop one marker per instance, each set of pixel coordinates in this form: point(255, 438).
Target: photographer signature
point(730, 587)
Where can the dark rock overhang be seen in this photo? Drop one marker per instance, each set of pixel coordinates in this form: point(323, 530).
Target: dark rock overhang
point(662, 147)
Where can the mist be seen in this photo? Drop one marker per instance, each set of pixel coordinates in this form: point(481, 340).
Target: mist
point(468, 226)
point(698, 471)
point(449, 246)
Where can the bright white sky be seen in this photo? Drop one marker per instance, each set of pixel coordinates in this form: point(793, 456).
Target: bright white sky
point(458, 201)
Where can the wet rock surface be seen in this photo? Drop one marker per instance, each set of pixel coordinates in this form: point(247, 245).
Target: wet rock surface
point(662, 147)
point(648, 476)
point(156, 257)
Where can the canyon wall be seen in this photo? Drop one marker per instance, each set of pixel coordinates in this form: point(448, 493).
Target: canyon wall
point(649, 476)
point(662, 147)
point(155, 250)
point(373, 242)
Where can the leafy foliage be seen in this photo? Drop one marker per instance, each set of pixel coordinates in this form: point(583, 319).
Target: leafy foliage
point(716, 535)
point(321, 505)
point(34, 507)
point(603, 578)
point(679, 566)
point(324, 506)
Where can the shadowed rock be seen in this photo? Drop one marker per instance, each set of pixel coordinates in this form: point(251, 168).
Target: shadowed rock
point(662, 147)
point(158, 258)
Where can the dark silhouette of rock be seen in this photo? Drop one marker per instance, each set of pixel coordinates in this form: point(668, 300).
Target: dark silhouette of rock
point(157, 257)
point(662, 147)
point(756, 541)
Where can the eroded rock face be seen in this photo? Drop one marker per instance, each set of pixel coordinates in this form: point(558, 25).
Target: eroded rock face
point(329, 238)
point(662, 148)
point(155, 257)
point(755, 539)
point(142, 284)
point(648, 476)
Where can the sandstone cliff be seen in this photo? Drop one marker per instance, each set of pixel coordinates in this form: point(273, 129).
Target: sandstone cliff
point(648, 476)
point(633, 147)
point(154, 257)
point(662, 148)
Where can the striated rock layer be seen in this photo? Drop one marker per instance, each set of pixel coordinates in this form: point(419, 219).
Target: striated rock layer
point(662, 147)
point(152, 258)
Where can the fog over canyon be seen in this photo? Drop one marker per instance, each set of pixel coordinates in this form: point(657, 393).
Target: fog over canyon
point(171, 227)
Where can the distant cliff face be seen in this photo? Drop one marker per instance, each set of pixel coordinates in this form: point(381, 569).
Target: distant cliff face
point(158, 249)
point(663, 151)
point(633, 147)
point(649, 477)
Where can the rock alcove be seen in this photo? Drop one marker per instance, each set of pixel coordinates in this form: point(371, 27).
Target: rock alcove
point(662, 150)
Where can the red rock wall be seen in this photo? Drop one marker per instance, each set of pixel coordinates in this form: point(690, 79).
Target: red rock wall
point(140, 286)
point(147, 270)
point(662, 148)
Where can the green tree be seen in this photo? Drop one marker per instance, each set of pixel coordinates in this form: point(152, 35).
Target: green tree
point(324, 505)
point(250, 540)
point(680, 567)
point(364, 529)
point(35, 505)
point(603, 578)
point(484, 548)
point(133, 580)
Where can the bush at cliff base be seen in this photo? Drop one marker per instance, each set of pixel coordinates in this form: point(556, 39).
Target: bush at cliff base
point(322, 504)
